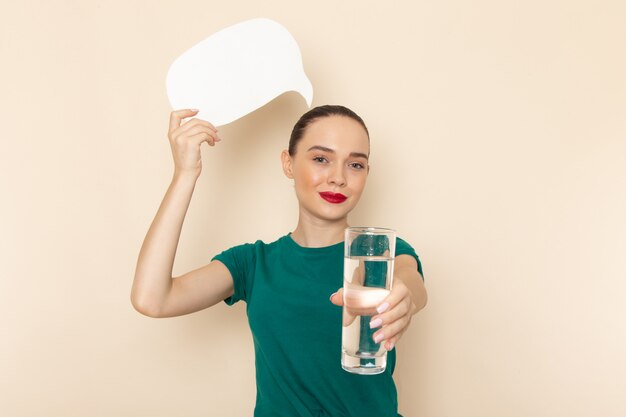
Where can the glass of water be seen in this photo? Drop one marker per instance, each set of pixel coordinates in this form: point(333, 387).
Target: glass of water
point(367, 280)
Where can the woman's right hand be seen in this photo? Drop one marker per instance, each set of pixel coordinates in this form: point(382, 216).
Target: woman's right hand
point(185, 140)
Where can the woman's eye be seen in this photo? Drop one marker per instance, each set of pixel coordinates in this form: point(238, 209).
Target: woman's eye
point(357, 165)
point(320, 159)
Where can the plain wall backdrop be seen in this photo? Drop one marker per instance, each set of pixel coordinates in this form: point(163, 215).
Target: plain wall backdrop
point(498, 151)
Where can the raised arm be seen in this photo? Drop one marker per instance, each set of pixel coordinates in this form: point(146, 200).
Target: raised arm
point(155, 292)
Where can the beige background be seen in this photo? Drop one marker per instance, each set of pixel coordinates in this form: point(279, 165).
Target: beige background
point(499, 152)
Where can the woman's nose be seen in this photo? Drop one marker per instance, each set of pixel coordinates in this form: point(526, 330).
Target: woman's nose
point(337, 177)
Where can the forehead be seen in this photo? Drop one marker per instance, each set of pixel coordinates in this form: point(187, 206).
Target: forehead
point(343, 134)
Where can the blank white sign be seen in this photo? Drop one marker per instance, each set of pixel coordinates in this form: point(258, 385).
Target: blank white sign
point(237, 70)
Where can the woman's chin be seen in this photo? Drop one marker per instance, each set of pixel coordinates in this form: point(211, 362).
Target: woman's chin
point(334, 214)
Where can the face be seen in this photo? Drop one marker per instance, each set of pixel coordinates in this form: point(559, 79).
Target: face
point(330, 167)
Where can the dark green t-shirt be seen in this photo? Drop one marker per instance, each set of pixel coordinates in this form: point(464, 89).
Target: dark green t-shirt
point(297, 332)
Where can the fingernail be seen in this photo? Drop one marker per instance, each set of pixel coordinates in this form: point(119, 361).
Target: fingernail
point(375, 323)
point(378, 338)
point(193, 109)
point(390, 346)
point(331, 296)
point(382, 308)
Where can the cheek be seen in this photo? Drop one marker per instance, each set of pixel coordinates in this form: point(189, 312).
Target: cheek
point(309, 177)
point(358, 182)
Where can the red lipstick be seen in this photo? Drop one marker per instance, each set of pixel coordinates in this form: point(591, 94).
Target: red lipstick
point(333, 198)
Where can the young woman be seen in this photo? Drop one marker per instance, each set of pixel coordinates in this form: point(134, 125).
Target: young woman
point(286, 284)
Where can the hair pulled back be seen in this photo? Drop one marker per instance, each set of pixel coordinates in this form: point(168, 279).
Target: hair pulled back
point(316, 113)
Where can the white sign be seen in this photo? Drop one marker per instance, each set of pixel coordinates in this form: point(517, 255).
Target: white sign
point(237, 70)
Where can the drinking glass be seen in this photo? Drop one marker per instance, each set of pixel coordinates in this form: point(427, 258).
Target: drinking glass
point(367, 281)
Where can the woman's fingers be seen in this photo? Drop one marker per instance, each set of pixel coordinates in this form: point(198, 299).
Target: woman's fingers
point(396, 305)
point(391, 342)
point(186, 138)
point(178, 115)
point(394, 320)
point(347, 318)
point(400, 310)
point(398, 293)
point(207, 137)
point(391, 324)
point(337, 297)
point(190, 129)
point(394, 315)
point(201, 133)
point(197, 130)
point(179, 127)
point(195, 122)
point(392, 331)
point(355, 302)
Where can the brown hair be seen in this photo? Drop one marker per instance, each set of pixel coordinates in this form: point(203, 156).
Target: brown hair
point(316, 113)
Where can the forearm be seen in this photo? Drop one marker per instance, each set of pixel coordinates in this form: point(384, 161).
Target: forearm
point(153, 274)
point(414, 282)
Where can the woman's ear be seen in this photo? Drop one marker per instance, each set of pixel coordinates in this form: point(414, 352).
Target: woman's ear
point(286, 161)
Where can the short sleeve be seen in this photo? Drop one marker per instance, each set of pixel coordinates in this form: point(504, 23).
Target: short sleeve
point(240, 262)
point(403, 248)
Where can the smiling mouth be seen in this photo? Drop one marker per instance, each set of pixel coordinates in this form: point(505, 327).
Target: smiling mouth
point(335, 198)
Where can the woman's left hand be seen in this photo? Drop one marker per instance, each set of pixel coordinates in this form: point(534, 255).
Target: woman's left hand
point(394, 314)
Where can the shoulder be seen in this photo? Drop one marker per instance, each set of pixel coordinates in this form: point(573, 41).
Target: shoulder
point(404, 248)
point(252, 249)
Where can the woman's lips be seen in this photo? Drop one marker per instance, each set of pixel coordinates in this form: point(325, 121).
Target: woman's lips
point(334, 198)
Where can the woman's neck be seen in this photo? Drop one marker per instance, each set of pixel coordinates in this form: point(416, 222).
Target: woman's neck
point(312, 232)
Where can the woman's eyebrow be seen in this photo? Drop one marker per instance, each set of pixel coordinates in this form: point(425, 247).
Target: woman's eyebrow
point(325, 149)
point(359, 155)
point(321, 148)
